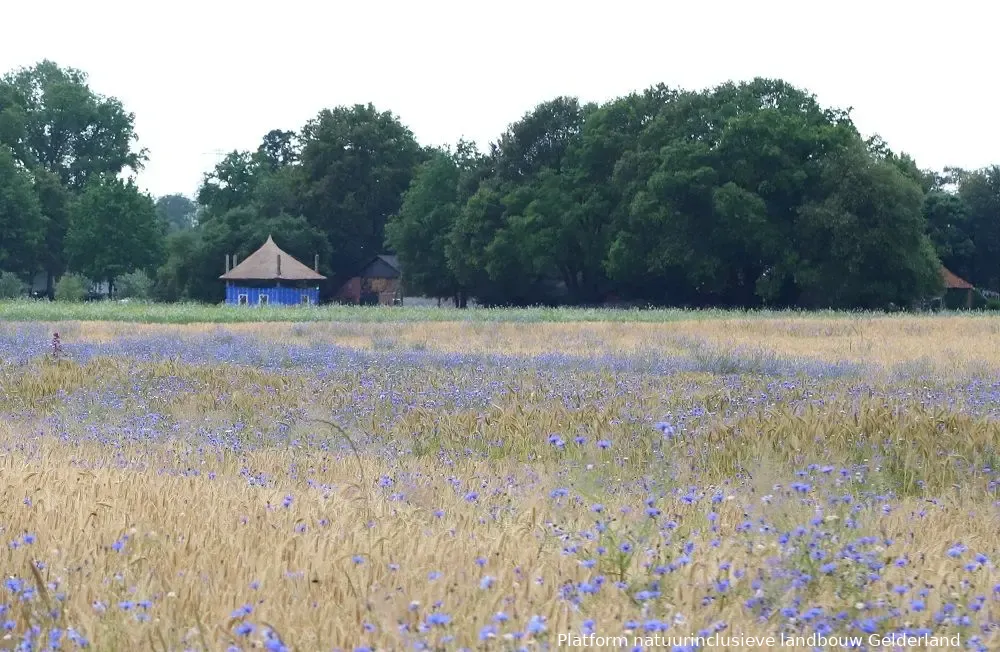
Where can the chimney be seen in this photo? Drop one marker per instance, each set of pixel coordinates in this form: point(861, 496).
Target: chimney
point(316, 264)
point(234, 261)
point(279, 265)
point(227, 263)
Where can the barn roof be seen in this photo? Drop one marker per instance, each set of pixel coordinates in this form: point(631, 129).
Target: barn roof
point(270, 263)
point(953, 282)
point(382, 266)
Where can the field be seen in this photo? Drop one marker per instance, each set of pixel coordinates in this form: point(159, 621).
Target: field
point(511, 480)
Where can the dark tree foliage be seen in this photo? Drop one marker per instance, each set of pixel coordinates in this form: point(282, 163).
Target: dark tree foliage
point(744, 195)
point(113, 230)
point(65, 137)
point(356, 163)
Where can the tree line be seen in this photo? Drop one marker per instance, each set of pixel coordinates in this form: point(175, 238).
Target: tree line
point(744, 195)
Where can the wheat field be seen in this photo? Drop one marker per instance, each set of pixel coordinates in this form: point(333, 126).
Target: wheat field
point(500, 486)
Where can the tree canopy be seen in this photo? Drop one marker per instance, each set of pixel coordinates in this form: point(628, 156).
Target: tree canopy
point(747, 194)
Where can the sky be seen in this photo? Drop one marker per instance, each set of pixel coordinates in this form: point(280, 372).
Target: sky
point(210, 76)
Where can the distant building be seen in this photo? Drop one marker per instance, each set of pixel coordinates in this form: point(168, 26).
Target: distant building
point(957, 291)
point(270, 276)
point(378, 283)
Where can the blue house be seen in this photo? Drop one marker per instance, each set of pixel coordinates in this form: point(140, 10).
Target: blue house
point(269, 276)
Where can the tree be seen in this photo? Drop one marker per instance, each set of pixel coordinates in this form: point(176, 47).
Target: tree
point(419, 232)
point(175, 278)
point(712, 194)
point(55, 201)
point(278, 149)
point(231, 184)
point(113, 230)
point(56, 122)
point(949, 228)
point(856, 252)
point(176, 212)
point(356, 163)
point(66, 136)
point(21, 221)
point(980, 191)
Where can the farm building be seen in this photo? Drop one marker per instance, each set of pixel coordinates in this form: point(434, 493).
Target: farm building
point(378, 282)
point(270, 276)
point(958, 293)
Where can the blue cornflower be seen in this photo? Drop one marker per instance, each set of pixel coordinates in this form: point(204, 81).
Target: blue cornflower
point(604, 444)
point(242, 612)
point(487, 582)
point(536, 625)
point(244, 629)
point(438, 618)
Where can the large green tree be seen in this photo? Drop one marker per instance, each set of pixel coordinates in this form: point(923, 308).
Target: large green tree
point(418, 233)
point(980, 191)
point(58, 123)
point(66, 135)
point(949, 228)
point(21, 223)
point(113, 230)
point(356, 163)
point(176, 212)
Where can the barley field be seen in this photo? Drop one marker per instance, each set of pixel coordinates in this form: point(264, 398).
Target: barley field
point(491, 484)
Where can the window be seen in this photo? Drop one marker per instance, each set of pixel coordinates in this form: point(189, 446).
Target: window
point(242, 300)
point(262, 299)
point(305, 300)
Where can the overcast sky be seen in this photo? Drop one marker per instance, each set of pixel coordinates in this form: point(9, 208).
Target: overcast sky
point(210, 76)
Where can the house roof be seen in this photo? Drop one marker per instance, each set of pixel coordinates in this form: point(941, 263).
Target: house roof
point(953, 282)
point(392, 260)
point(382, 266)
point(270, 263)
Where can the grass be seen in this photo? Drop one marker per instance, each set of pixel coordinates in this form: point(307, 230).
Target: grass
point(192, 313)
point(450, 485)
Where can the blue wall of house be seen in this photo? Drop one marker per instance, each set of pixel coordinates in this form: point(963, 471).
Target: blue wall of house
point(275, 296)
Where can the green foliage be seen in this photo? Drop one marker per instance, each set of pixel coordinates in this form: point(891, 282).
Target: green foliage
point(56, 122)
point(743, 195)
point(72, 288)
point(419, 232)
point(980, 192)
point(63, 136)
point(175, 277)
point(21, 223)
point(134, 285)
point(356, 163)
point(11, 286)
point(113, 230)
point(176, 212)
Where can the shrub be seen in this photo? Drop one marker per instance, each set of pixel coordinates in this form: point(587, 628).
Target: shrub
point(135, 285)
point(11, 286)
point(72, 288)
